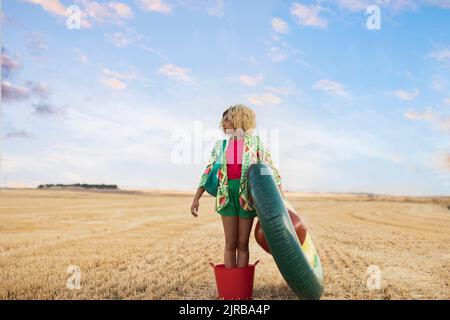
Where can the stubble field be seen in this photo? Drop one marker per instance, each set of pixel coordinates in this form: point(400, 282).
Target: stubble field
point(146, 245)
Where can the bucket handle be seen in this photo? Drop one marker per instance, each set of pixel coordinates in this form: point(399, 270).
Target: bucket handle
point(256, 262)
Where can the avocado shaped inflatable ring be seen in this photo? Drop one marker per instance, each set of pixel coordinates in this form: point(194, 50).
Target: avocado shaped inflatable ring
point(291, 247)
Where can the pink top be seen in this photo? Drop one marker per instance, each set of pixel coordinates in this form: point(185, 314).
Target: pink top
point(234, 158)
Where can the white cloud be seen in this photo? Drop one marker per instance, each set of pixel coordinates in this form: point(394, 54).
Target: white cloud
point(103, 129)
point(129, 36)
point(91, 11)
point(36, 43)
point(436, 85)
point(312, 155)
point(176, 73)
point(361, 5)
point(417, 115)
point(400, 5)
point(331, 87)
point(276, 55)
point(52, 6)
point(394, 6)
point(120, 39)
point(279, 49)
point(9, 64)
point(439, 120)
point(106, 12)
point(308, 15)
point(217, 8)
point(39, 88)
point(154, 51)
point(280, 90)
point(115, 74)
point(447, 101)
point(14, 93)
point(115, 80)
point(353, 5)
point(113, 83)
point(441, 55)
point(439, 3)
point(249, 80)
point(265, 99)
point(279, 25)
point(121, 9)
point(406, 95)
point(155, 5)
point(11, 93)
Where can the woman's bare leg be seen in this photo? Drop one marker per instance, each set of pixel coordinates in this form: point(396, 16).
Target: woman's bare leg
point(230, 228)
point(245, 227)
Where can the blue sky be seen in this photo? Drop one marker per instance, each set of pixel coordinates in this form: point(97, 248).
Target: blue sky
point(355, 109)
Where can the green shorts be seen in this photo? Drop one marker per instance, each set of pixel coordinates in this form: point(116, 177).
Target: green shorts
point(233, 207)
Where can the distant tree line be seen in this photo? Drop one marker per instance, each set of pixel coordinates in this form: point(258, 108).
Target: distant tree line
point(78, 185)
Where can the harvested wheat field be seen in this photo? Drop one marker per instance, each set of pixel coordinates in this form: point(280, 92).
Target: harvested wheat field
point(146, 245)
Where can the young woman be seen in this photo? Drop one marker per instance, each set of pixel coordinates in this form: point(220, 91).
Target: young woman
point(233, 201)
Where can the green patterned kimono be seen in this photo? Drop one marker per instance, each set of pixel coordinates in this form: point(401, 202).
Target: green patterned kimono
point(253, 151)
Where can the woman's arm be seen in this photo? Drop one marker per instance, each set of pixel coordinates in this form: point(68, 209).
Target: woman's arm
point(195, 202)
point(204, 177)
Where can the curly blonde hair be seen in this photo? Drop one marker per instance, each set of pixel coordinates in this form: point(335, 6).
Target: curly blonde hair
point(241, 116)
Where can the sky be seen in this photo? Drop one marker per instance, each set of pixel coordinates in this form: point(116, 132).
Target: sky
point(350, 96)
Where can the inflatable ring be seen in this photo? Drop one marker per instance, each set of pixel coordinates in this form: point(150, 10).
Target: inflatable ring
point(299, 264)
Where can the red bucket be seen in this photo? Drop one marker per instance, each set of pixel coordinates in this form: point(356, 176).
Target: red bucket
point(234, 283)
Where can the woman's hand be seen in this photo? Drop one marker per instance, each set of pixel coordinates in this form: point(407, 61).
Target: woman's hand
point(194, 208)
point(195, 204)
